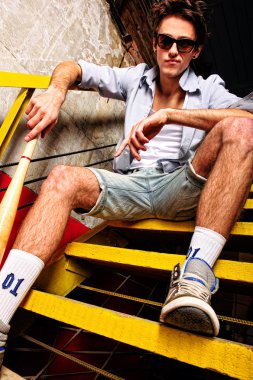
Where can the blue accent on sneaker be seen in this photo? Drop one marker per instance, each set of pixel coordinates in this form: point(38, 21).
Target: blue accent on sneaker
point(187, 305)
point(195, 279)
point(2, 348)
point(209, 266)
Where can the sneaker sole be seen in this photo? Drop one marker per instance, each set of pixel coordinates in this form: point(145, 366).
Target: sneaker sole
point(191, 314)
point(1, 358)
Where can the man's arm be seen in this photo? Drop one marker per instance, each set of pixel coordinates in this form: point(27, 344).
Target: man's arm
point(146, 129)
point(43, 110)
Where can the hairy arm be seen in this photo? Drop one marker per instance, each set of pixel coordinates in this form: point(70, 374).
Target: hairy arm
point(43, 110)
point(204, 119)
point(146, 129)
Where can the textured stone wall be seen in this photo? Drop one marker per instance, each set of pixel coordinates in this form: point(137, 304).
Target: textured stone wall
point(35, 36)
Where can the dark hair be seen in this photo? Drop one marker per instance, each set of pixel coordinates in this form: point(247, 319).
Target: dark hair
point(194, 11)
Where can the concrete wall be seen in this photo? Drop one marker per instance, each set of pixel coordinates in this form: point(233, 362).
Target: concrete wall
point(35, 36)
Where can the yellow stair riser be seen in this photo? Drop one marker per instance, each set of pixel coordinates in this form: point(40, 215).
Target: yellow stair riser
point(232, 359)
point(249, 204)
point(154, 261)
point(240, 228)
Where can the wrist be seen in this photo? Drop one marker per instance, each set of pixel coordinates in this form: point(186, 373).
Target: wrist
point(59, 92)
point(168, 113)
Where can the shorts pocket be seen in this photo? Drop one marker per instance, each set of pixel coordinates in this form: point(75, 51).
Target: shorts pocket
point(186, 202)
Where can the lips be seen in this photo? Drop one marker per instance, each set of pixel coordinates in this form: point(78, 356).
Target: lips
point(172, 61)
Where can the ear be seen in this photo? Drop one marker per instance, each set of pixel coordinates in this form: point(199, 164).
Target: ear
point(197, 52)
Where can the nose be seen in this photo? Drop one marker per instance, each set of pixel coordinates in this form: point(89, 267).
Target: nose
point(173, 50)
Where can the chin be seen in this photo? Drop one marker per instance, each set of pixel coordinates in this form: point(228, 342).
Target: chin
point(171, 73)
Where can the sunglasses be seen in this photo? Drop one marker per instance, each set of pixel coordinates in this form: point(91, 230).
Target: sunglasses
point(184, 45)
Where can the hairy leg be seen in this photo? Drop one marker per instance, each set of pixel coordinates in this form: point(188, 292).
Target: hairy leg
point(65, 188)
point(226, 158)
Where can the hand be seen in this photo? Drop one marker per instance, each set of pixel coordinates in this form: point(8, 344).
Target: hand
point(142, 132)
point(43, 112)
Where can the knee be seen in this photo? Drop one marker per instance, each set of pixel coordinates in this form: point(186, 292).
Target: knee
point(239, 131)
point(59, 181)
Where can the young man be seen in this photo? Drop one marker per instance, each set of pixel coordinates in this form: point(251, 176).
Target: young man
point(168, 112)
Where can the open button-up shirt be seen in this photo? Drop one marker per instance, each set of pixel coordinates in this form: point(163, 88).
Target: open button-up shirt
point(136, 87)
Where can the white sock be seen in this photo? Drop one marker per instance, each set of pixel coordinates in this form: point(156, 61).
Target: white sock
point(206, 244)
point(16, 277)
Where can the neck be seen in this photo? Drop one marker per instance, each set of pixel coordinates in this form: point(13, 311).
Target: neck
point(169, 86)
point(168, 94)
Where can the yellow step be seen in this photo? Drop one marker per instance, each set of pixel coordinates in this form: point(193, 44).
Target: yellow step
point(7, 374)
point(240, 228)
point(230, 358)
point(153, 261)
point(249, 204)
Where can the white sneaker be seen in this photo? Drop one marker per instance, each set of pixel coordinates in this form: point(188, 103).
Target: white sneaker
point(187, 305)
point(4, 329)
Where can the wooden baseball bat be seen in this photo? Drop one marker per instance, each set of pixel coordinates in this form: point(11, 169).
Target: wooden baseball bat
point(9, 204)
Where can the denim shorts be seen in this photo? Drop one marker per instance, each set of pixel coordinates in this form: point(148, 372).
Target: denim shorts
point(147, 193)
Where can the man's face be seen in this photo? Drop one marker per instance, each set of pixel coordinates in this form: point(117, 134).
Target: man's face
point(171, 62)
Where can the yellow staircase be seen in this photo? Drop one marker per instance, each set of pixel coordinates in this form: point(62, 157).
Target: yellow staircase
point(106, 247)
point(149, 250)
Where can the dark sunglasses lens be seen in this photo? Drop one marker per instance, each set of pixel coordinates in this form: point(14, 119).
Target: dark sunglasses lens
point(185, 45)
point(164, 42)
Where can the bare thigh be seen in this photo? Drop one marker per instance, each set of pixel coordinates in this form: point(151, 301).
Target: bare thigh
point(87, 188)
point(208, 151)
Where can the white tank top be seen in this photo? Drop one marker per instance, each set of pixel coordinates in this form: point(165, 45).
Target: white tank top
point(165, 144)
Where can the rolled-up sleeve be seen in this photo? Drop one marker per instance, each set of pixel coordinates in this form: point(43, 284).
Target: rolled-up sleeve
point(109, 82)
point(245, 103)
point(220, 96)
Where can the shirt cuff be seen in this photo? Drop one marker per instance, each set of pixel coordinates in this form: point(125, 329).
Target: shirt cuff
point(90, 75)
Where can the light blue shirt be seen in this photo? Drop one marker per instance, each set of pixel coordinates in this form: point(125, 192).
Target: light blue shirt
point(136, 87)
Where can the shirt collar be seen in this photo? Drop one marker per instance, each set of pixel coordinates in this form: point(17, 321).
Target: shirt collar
point(149, 76)
point(188, 81)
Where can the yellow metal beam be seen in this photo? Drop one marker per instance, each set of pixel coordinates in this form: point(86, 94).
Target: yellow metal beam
point(240, 228)
point(28, 83)
point(230, 358)
point(153, 261)
point(13, 117)
point(8, 79)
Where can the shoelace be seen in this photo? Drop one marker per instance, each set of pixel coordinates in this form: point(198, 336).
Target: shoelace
point(190, 287)
point(3, 339)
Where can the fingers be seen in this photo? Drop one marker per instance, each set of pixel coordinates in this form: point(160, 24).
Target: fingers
point(36, 130)
point(33, 107)
point(135, 141)
point(135, 152)
point(48, 129)
point(34, 111)
point(142, 133)
point(29, 107)
point(121, 148)
point(141, 138)
point(33, 121)
point(135, 145)
point(42, 114)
